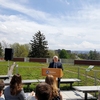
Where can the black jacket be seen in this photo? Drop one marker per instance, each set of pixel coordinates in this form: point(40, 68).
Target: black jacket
point(59, 65)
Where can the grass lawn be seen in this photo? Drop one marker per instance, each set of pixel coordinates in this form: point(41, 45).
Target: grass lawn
point(30, 70)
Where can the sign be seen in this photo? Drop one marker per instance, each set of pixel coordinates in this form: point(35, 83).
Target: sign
point(90, 68)
point(56, 72)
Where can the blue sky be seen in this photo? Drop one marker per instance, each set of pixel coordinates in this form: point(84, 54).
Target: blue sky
point(66, 24)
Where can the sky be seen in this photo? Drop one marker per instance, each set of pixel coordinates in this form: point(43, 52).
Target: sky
point(66, 24)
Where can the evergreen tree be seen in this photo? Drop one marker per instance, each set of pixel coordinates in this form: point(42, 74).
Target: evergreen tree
point(94, 55)
point(39, 47)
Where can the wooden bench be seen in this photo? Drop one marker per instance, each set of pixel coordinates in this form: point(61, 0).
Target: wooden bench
point(5, 76)
point(69, 81)
point(87, 89)
point(25, 82)
point(65, 81)
point(28, 82)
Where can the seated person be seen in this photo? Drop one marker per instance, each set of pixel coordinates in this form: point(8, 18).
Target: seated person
point(56, 95)
point(1, 89)
point(15, 91)
point(31, 96)
point(43, 91)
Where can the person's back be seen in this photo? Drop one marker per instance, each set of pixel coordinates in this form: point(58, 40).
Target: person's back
point(8, 96)
point(56, 95)
point(43, 91)
point(15, 91)
point(1, 89)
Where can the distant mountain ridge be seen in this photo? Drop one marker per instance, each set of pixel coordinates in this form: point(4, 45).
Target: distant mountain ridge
point(78, 52)
point(83, 52)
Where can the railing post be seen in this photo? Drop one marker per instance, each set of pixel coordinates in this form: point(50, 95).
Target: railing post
point(78, 73)
point(16, 69)
point(95, 78)
point(85, 77)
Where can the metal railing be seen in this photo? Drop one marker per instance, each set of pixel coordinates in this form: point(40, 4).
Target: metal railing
point(87, 77)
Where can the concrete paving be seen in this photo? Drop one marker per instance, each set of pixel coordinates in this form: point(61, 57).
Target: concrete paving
point(74, 95)
point(70, 95)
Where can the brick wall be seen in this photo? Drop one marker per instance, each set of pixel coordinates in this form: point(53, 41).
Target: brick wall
point(42, 60)
point(18, 59)
point(87, 62)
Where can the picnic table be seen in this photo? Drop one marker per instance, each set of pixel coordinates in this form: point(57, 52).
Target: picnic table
point(87, 89)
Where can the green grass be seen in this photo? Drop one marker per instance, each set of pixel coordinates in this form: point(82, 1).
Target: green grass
point(31, 70)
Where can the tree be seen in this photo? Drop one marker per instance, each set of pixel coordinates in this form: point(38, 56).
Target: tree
point(51, 53)
point(38, 46)
point(94, 55)
point(83, 55)
point(20, 50)
point(63, 54)
point(4, 45)
point(73, 56)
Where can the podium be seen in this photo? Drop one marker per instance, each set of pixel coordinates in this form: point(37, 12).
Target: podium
point(56, 72)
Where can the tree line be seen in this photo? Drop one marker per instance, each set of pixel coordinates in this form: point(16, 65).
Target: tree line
point(92, 55)
point(38, 48)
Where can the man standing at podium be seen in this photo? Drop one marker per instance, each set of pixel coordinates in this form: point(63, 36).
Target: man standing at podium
point(56, 64)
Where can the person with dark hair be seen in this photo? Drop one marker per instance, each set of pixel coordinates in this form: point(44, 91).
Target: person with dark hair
point(43, 91)
point(56, 64)
point(56, 95)
point(15, 90)
point(1, 89)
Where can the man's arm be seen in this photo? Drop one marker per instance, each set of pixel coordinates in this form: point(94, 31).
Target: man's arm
point(50, 65)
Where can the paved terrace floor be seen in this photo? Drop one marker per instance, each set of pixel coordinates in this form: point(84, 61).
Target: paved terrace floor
point(71, 95)
point(75, 95)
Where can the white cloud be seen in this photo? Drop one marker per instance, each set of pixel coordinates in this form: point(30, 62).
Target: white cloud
point(23, 9)
point(76, 32)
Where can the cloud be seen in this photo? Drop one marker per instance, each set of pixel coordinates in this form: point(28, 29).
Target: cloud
point(23, 9)
point(76, 31)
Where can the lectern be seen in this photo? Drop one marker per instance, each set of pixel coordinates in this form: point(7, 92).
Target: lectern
point(56, 72)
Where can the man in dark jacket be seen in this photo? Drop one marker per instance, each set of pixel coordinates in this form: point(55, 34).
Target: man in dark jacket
point(56, 64)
